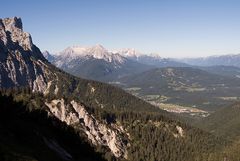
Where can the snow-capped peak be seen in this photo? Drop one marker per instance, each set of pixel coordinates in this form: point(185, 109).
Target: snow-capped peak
point(99, 52)
point(96, 51)
point(155, 55)
point(128, 52)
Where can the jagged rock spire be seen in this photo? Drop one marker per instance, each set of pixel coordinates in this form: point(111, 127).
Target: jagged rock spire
point(11, 32)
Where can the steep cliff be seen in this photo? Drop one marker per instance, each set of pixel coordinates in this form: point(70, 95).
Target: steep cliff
point(22, 64)
point(98, 133)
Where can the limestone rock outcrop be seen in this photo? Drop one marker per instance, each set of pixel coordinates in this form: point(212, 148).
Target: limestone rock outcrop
point(97, 132)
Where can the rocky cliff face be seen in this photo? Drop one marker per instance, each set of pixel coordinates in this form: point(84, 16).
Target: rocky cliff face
point(98, 133)
point(48, 56)
point(12, 32)
point(22, 64)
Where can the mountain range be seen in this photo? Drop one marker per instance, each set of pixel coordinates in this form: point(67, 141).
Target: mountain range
point(43, 107)
point(226, 60)
point(96, 63)
point(215, 85)
point(49, 114)
point(149, 59)
point(100, 64)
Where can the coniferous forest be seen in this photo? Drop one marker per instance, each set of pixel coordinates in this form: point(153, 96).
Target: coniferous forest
point(153, 136)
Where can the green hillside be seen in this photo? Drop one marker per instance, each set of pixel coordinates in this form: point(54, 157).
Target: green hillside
point(166, 139)
point(224, 122)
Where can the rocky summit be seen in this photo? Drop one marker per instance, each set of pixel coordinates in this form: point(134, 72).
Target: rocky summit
point(21, 62)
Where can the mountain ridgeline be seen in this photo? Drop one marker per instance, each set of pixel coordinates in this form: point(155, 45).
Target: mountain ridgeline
point(148, 77)
point(97, 63)
point(48, 114)
point(226, 60)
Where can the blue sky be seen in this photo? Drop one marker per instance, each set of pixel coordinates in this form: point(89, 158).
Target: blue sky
point(172, 28)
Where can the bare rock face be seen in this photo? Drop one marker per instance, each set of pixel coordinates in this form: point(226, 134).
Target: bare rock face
point(14, 32)
point(21, 62)
point(98, 133)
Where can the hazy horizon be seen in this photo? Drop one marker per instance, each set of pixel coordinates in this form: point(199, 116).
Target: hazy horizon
point(141, 53)
point(171, 29)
